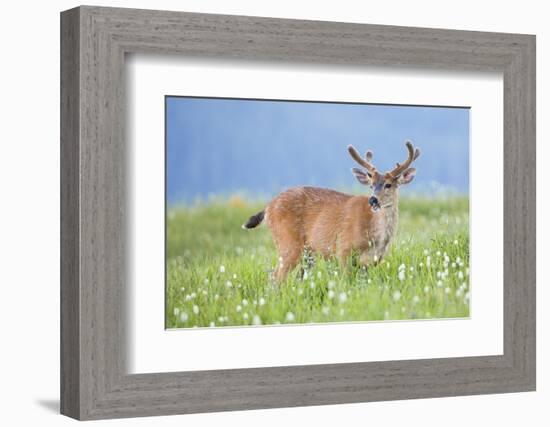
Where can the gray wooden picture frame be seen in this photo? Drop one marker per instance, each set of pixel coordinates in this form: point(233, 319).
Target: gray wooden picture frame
point(94, 381)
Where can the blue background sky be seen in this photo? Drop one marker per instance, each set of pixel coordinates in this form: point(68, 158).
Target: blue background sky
point(222, 146)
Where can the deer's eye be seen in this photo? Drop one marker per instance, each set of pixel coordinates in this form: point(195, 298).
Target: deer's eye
point(387, 186)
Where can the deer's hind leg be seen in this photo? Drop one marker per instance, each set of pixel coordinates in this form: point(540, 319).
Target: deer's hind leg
point(289, 249)
point(288, 259)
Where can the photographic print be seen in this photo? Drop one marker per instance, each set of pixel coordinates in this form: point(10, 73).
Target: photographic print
point(296, 212)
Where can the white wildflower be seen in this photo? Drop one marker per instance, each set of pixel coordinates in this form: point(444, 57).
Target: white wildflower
point(331, 284)
point(401, 267)
point(456, 242)
point(439, 283)
point(176, 311)
point(325, 310)
point(426, 251)
point(331, 294)
point(460, 275)
point(312, 285)
point(245, 316)
point(183, 316)
point(256, 320)
point(396, 295)
point(401, 275)
point(261, 301)
point(416, 299)
point(290, 317)
point(319, 275)
point(212, 324)
point(238, 308)
point(428, 261)
point(447, 290)
point(244, 302)
point(426, 289)
point(234, 276)
point(196, 309)
point(229, 284)
point(342, 297)
point(222, 269)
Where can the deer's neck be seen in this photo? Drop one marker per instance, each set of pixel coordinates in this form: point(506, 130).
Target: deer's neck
point(391, 217)
point(385, 226)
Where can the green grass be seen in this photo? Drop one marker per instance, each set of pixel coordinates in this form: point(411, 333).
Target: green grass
point(218, 274)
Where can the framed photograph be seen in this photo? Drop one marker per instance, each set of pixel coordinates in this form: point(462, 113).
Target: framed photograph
point(262, 213)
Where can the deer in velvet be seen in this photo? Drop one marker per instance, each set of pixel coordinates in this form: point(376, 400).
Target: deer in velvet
point(331, 223)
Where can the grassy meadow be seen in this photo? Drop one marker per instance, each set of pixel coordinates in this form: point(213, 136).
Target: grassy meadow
point(219, 274)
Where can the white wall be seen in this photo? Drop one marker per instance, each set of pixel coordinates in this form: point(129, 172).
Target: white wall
point(29, 226)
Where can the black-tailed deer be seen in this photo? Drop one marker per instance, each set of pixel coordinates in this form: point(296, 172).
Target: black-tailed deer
point(328, 222)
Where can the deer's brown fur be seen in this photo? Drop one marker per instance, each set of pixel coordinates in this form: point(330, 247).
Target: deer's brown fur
point(331, 223)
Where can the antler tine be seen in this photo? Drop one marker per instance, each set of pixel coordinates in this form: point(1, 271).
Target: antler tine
point(413, 155)
point(366, 162)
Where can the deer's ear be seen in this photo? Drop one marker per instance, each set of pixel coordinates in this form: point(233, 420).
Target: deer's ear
point(362, 177)
point(407, 176)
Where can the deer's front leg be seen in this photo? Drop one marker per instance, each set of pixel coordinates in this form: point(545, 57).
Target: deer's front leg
point(369, 258)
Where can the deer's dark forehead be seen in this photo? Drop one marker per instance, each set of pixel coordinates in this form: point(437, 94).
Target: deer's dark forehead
point(382, 177)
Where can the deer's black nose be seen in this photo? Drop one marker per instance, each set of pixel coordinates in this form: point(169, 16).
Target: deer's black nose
point(373, 201)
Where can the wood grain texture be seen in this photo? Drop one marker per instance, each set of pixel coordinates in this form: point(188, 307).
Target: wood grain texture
point(94, 381)
point(70, 259)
